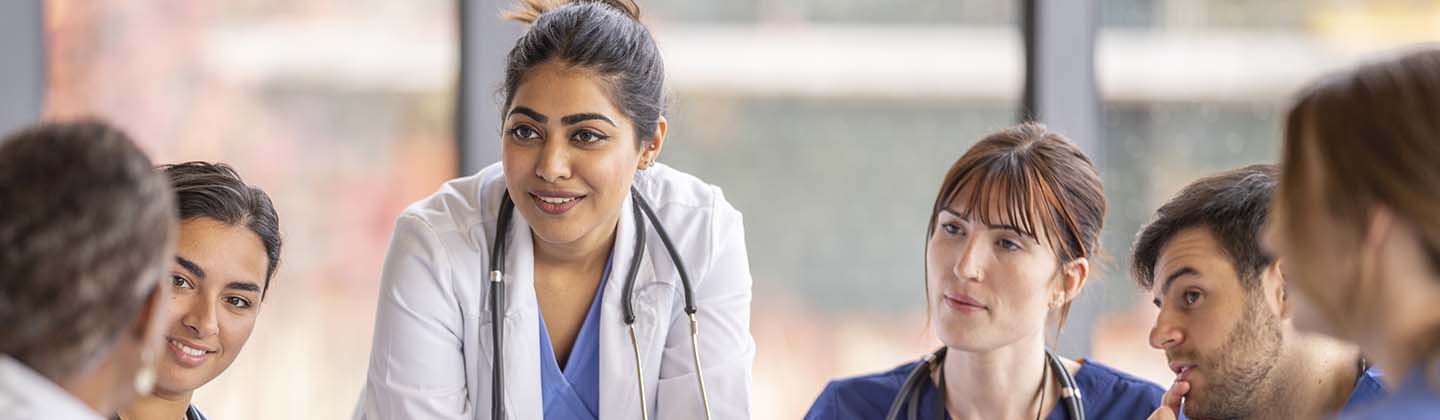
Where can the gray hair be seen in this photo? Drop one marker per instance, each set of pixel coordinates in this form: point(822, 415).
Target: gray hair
point(86, 228)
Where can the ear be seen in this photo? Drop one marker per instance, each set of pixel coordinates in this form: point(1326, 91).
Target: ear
point(1274, 276)
point(1073, 276)
point(650, 149)
point(1378, 230)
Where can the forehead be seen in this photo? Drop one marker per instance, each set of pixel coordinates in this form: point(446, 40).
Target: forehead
point(1195, 248)
point(222, 249)
point(988, 198)
point(558, 89)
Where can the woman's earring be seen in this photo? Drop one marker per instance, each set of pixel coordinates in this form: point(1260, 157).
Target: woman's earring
point(145, 378)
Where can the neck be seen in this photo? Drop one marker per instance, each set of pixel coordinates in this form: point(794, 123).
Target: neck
point(997, 384)
point(1313, 379)
point(104, 388)
point(1411, 336)
point(159, 406)
point(588, 253)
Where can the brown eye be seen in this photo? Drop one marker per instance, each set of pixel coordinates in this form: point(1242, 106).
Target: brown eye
point(237, 302)
point(1191, 297)
point(524, 132)
point(588, 137)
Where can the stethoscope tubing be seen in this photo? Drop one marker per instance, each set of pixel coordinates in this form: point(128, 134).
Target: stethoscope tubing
point(642, 211)
point(909, 395)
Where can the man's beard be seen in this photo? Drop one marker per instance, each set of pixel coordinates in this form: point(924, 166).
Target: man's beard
point(1238, 369)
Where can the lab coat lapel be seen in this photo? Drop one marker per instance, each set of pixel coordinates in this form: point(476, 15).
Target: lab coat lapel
point(619, 389)
point(522, 326)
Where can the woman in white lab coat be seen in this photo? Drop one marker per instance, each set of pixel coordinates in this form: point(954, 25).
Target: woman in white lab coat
point(583, 123)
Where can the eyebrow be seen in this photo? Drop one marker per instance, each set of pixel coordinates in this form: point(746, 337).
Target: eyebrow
point(1170, 279)
point(190, 266)
point(586, 116)
point(993, 225)
point(541, 118)
point(243, 285)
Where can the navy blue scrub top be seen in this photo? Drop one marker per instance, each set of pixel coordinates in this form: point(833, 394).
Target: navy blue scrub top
point(1415, 399)
point(1368, 389)
point(191, 413)
point(574, 393)
point(1106, 393)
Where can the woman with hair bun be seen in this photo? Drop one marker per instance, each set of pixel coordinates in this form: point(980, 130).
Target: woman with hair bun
point(577, 278)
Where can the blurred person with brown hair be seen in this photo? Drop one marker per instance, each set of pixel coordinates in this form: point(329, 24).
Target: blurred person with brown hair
point(228, 249)
point(86, 225)
point(1010, 241)
point(1358, 218)
point(1226, 320)
point(576, 201)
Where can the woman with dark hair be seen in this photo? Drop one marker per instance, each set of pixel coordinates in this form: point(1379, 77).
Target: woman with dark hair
point(1358, 218)
point(228, 248)
point(576, 278)
point(1009, 244)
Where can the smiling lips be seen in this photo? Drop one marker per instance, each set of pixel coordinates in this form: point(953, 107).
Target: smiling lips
point(556, 202)
point(964, 303)
point(187, 354)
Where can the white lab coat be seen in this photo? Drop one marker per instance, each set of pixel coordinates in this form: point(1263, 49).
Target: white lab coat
point(431, 355)
point(26, 395)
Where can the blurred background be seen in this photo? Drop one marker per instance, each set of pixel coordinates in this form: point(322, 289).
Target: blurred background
point(828, 123)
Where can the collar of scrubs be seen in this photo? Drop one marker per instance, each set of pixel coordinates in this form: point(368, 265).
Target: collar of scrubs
point(1099, 389)
point(193, 413)
point(1368, 388)
point(930, 402)
point(25, 394)
point(574, 393)
point(1416, 397)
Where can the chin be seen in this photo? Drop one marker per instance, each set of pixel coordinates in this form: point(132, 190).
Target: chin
point(562, 232)
point(964, 338)
point(177, 383)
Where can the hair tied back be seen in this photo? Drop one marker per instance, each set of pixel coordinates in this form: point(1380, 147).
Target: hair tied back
point(528, 11)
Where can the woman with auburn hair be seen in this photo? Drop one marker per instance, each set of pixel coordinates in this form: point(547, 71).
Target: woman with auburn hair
point(1011, 235)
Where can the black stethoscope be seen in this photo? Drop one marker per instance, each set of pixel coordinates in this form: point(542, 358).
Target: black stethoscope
point(910, 391)
point(497, 287)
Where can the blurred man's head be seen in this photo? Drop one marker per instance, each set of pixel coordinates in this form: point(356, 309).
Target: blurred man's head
point(87, 227)
point(1221, 296)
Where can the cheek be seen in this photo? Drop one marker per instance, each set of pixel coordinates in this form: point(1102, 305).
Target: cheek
point(180, 303)
point(1030, 280)
point(235, 332)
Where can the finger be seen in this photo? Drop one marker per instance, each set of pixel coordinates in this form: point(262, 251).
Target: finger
point(1174, 395)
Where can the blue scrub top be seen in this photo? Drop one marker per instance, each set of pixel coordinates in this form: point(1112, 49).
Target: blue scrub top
point(1415, 399)
point(1105, 392)
point(574, 393)
point(1368, 389)
point(193, 413)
